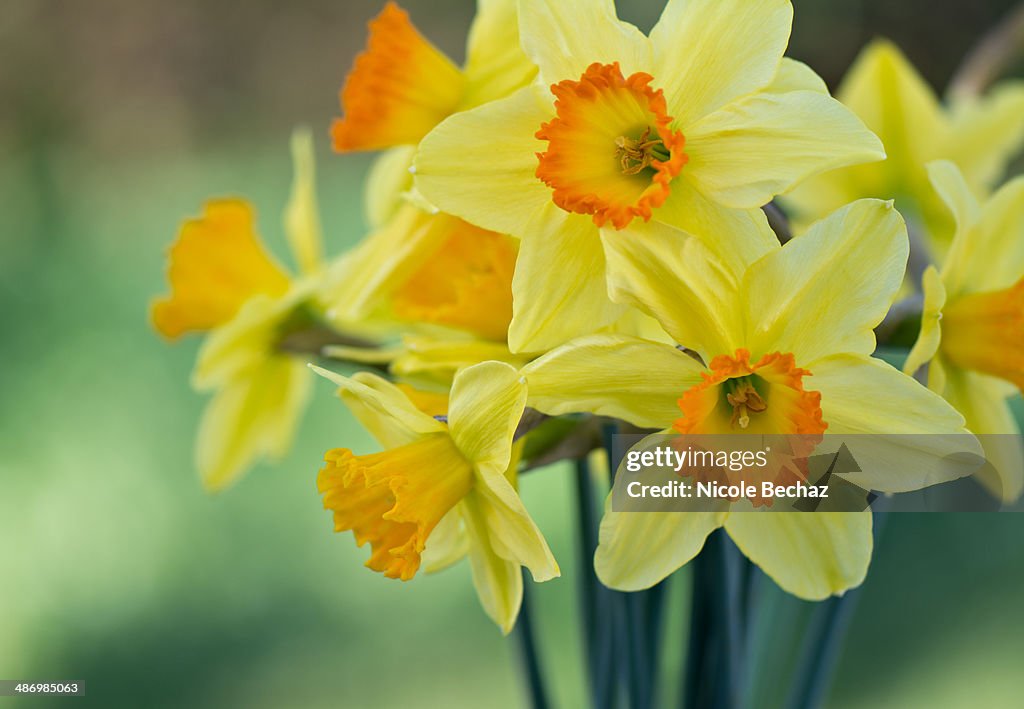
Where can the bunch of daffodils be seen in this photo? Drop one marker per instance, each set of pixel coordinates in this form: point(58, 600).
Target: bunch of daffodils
point(569, 235)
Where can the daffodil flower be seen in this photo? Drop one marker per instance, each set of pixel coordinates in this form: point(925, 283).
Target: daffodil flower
point(401, 86)
point(623, 131)
point(788, 351)
point(972, 329)
point(446, 284)
point(224, 283)
point(440, 489)
point(980, 135)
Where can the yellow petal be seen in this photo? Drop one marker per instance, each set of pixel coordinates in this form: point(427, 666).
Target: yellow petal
point(514, 536)
point(251, 416)
point(498, 581)
point(638, 549)
point(448, 543)
point(495, 62)
point(388, 178)
point(865, 395)
point(216, 264)
point(812, 556)
point(559, 289)
point(794, 75)
point(487, 401)
point(564, 38)
point(999, 231)
point(762, 146)
point(711, 52)
point(385, 260)
point(737, 237)
point(894, 101)
point(382, 408)
point(930, 337)
point(982, 401)
point(480, 164)
point(640, 380)
point(987, 133)
point(439, 358)
point(825, 291)
point(247, 339)
point(673, 277)
point(301, 214)
point(400, 87)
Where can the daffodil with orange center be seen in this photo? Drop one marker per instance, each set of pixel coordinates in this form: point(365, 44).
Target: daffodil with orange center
point(972, 328)
point(224, 284)
point(441, 489)
point(788, 350)
point(401, 86)
point(697, 126)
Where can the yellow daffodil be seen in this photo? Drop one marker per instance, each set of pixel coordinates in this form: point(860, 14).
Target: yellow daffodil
point(972, 329)
point(440, 489)
point(623, 132)
point(442, 281)
point(224, 283)
point(401, 86)
point(980, 135)
point(789, 350)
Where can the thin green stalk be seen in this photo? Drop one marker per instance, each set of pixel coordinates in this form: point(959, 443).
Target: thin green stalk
point(596, 625)
point(823, 641)
point(528, 651)
point(699, 656)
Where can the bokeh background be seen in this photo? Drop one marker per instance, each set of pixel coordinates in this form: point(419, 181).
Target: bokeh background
point(117, 119)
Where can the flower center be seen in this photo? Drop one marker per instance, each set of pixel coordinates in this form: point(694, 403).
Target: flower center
point(611, 152)
point(742, 396)
point(394, 499)
point(767, 397)
point(984, 332)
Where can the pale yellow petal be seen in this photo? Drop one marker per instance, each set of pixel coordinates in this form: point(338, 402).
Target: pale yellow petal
point(982, 401)
point(863, 395)
point(794, 75)
point(487, 401)
point(388, 178)
point(930, 336)
point(495, 62)
point(711, 52)
point(672, 276)
point(385, 260)
point(638, 549)
point(439, 358)
point(559, 290)
point(251, 416)
point(639, 380)
point(811, 555)
point(302, 215)
point(895, 102)
point(382, 408)
point(480, 164)
point(762, 146)
point(987, 133)
point(997, 256)
point(514, 535)
point(564, 38)
point(448, 543)
point(737, 237)
point(498, 581)
point(825, 291)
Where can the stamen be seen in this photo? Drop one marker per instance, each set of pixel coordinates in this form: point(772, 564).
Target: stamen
point(635, 155)
point(744, 399)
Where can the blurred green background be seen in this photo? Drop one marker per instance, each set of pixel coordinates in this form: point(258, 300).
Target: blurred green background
point(117, 120)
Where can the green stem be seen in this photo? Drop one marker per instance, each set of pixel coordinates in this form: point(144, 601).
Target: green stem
point(528, 650)
point(823, 641)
